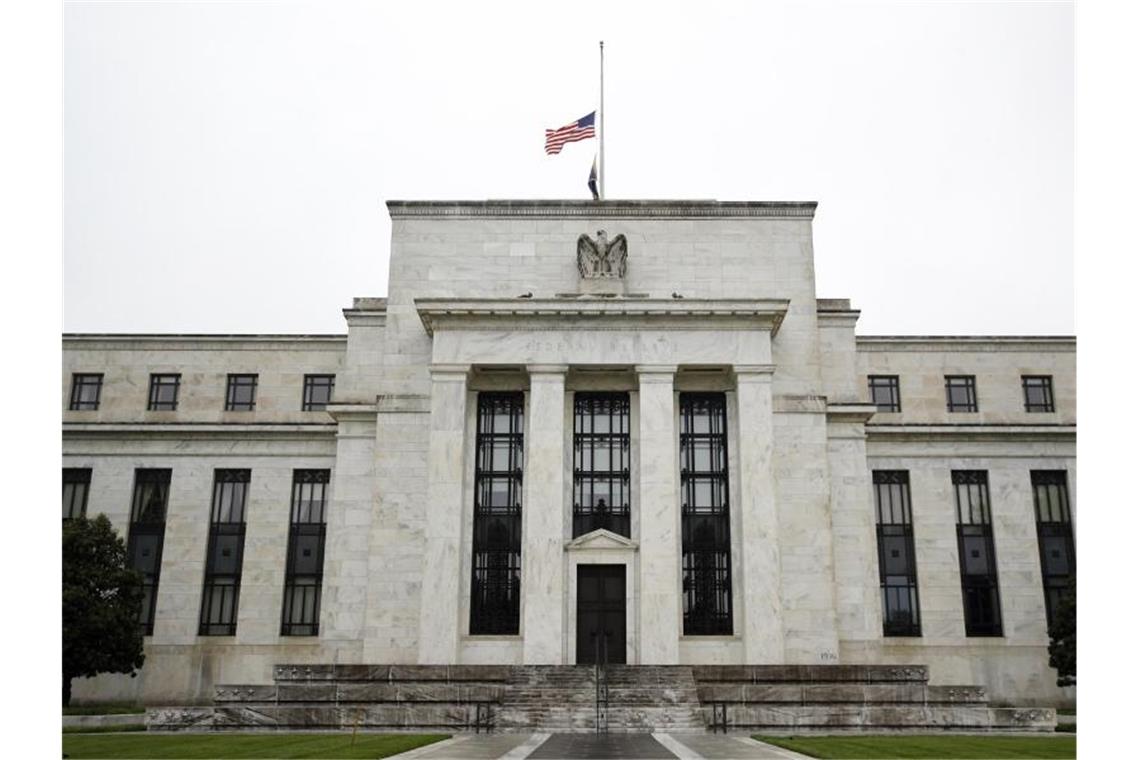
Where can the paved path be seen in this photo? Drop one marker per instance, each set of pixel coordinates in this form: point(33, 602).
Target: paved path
point(589, 746)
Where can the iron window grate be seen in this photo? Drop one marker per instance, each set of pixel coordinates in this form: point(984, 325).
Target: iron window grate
point(86, 389)
point(304, 564)
point(318, 391)
point(76, 484)
point(977, 561)
point(241, 393)
point(146, 535)
point(898, 575)
point(961, 393)
point(221, 586)
point(1038, 391)
point(164, 392)
point(601, 486)
point(885, 392)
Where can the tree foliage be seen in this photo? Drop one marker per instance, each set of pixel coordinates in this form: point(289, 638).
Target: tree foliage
point(1063, 637)
point(102, 596)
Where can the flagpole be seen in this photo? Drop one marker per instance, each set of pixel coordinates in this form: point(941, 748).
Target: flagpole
point(602, 122)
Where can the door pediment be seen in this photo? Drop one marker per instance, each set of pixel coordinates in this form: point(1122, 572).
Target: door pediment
point(601, 539)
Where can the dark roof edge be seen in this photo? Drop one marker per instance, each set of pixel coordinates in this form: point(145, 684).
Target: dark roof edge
point(603, 209)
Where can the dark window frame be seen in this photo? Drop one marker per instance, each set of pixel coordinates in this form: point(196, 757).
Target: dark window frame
point(81, 381)
point(311, 385)
point(894, 520)
point(1044, 383)
point(970, 384)
point(301, 605)
point(149, 501)
point(1054, 520)
point(981, 592)
point(221, 587)
point(496, 544)
point(889, 383)
point(235, 383)
point(79, 480)
point(706, 541)
point(158, 382)
point(601, 432)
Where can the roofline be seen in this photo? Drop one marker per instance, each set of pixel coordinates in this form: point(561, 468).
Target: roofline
point(627, 209)
point(236, 338)
point(1060, 339)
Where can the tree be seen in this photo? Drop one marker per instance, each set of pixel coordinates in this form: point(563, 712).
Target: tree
point(1063, 637)
point(102, 597)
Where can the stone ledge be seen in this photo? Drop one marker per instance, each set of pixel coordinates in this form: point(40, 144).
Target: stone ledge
point(624, 209)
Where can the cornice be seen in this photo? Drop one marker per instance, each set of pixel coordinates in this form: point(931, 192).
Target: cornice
point(975, 343)
point(202, 342)
point(552, 313)
point(198, 430)
point(626, 209)
point(970, 432)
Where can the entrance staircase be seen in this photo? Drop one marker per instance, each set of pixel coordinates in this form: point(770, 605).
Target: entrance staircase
point(616, 698)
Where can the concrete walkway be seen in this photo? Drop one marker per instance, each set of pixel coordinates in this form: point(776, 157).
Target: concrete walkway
point(617, 746)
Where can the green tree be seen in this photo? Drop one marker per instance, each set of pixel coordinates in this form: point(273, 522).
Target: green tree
point(1063, 637)
point(102, 596)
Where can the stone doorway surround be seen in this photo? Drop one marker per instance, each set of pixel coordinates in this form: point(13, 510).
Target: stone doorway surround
point(601, 547)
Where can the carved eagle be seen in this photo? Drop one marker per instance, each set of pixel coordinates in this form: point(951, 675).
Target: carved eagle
point(603, 258)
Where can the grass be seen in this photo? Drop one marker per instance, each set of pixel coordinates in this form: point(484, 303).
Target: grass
point(118, 708)
point(226, 746)
point(1066, 711)
point(947, 747)
point(101, 729)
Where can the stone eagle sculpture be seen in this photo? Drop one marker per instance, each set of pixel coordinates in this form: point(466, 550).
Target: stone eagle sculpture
point(601, 259)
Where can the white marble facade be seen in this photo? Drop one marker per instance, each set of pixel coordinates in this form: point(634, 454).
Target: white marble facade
point(487, 296)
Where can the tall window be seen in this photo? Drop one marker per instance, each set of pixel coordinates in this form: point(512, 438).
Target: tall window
point(601, 462)
point(1054, 535)
point(976, 554)
point(224, 554)
point(885, 392)
point(496, 555)
point(241, 393)
point(318, 392)
point(304, 563)
point(1038, 391)
point(164, 392)
point(898, 577)
point(705, 552)
point(76, 483)
point(148, 526)
point(961, 393)
point(85, 391)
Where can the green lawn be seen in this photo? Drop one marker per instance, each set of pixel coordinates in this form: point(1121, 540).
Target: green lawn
point(949, 747)
point(225, 746)
point(117, 708)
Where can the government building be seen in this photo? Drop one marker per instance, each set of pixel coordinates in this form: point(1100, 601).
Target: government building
point(584, 433)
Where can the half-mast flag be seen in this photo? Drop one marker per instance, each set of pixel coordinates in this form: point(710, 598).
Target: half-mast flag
point(592, 182)
point(583, 129)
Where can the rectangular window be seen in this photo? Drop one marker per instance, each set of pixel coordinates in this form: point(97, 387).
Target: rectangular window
point(885, 392)
point(496, 554)
point(224, 554)
point(601, 462)
point(1038, 392)
point(706, 581)
point(898, 577)
point(318, 392)
point(961, 393)
point(241, 393)
point(76, 484)
point(148, 527)
point(976, 556)
point(304, 562)
point(164, 392)
point(1054, 535)
point(85, 391)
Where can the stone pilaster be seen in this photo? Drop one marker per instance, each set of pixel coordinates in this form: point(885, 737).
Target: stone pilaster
point(660, 545)
point(759, 524)
point(439, 600)
point(543, 532)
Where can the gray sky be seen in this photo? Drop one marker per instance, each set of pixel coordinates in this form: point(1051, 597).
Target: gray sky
point(226, 164)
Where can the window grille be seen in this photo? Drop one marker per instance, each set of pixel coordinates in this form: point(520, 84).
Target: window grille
point(976, 558)
point(706, 576)
point(497, 527)
point(318, 392)
point(76, 484)
point(601, 463)
point(1054, 536)
point(147, 530)
point(1038, 390)
point(224, 554)
point(304, 563)
point(241, 393)
point(86, 388)
point(164, 392)
point(885, 392)
point(898, 576)
point(961, 393)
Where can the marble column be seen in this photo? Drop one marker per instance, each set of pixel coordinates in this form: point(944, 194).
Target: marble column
point(762, 622)
point(543, 533)
point(439, 597)
point(659, 538)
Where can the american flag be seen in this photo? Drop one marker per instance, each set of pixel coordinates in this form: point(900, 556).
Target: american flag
point(582, 129)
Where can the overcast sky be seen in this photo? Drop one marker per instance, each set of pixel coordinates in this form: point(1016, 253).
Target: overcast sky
point(226, 164)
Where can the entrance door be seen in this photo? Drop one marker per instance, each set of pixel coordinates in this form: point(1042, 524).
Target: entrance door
point(601, 614)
